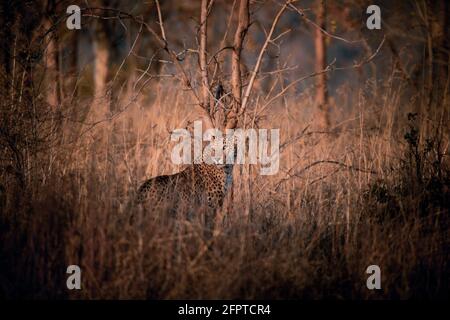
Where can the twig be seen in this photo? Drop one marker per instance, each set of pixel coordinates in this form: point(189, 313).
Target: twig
point(161, 42)
point(202, 55)
point(329, 68)
point(259, 60)
point(129, 53)
point(315, 163)
point(325, 32)
point(161, 25)
point(290, 85)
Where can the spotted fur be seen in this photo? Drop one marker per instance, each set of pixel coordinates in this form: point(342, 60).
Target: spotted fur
point(198, 184)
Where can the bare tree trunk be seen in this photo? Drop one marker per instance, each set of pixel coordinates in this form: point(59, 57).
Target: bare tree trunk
point(236, 82)
point(99, 148)
point(52, 68)
point(71, 130)
point(441, 49)
point(321, 61)
point(7, 44)
point(236, 86)
point(445, 75)
point(73, 67)
point(442, 66)
point(99, 106)
point(100, 151)
point(203, 63)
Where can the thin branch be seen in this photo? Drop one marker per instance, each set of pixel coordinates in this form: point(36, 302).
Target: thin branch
point(259, 60)
point(161, 42)
point(219, 52)
point(202, 54)
point(325, 32)
point(293, 83)
point(129, 53)
point(366, 60)
point(318, 162)
point(329, 68)
point(161, 25)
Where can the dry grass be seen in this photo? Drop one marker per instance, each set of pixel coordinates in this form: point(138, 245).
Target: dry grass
point(311, 230)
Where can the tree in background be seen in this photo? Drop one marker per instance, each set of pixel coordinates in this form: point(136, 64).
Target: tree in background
point(320, 65)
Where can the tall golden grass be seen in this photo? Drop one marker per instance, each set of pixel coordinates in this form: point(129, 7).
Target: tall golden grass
point(374, 189)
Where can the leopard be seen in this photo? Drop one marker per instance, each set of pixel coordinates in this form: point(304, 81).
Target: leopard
point(202, 184)
point(198, 184)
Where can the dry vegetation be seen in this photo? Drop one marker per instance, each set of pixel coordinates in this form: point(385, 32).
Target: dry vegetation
point(374, 188)
point(311, 230)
